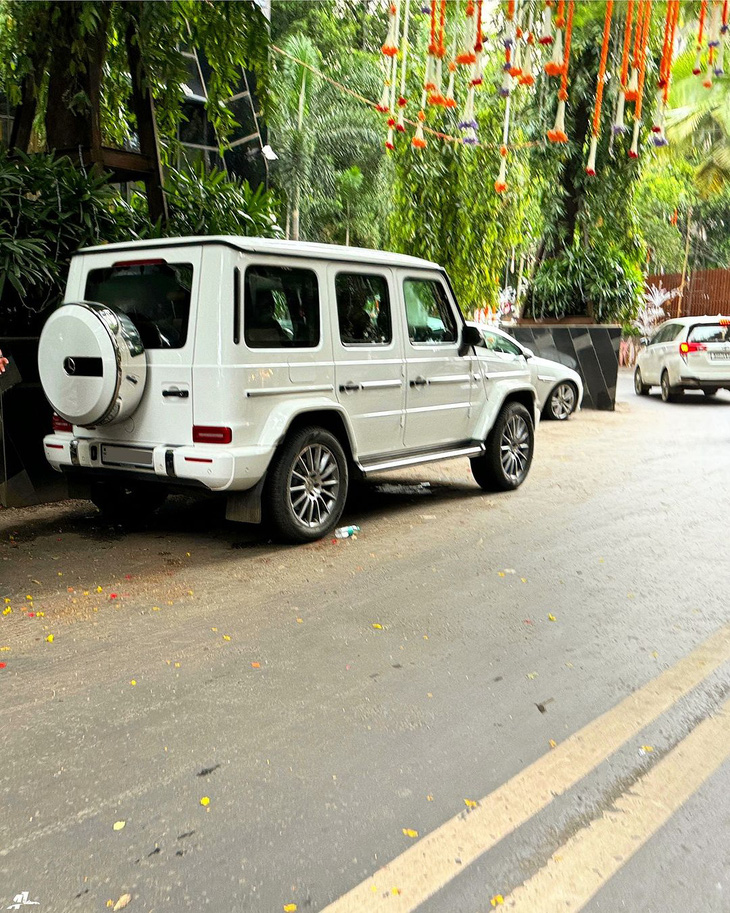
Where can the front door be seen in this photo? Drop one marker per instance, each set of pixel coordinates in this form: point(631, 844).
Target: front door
point(368, 350)
point(440, 382)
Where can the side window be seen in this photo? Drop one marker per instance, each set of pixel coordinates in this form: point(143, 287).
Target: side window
point(506, 346)
point(659, 336)
point(430, 318)
point(281, 308)
point(363, 309)
point(673, 332)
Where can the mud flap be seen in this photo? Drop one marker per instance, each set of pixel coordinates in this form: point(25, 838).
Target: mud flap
point(245, 506)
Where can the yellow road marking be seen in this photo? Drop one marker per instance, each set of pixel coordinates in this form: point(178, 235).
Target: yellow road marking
point(429, 864)
point(596, 853)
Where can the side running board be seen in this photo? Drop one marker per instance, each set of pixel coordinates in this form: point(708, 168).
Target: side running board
point(380, 464)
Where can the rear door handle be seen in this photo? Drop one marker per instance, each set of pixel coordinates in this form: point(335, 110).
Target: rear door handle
point(349, 387)
point(183, 394)
point(419, 382)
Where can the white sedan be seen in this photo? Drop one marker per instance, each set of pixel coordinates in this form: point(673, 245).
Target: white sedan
point(559, 388)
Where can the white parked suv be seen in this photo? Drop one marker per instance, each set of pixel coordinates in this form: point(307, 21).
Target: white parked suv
point(272, 371)
point(689, 353)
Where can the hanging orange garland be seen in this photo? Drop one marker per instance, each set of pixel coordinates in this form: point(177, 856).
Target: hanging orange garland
point(436, 97)
point(697, 69)
point(634, 151)
point(618, 121)
point(665, 72)
point(558, 134)
point(632, 89)
point(554, 66)
point(591, 167)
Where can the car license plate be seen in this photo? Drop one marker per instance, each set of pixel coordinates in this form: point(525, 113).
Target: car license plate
point(138, 457)
point(718, 356)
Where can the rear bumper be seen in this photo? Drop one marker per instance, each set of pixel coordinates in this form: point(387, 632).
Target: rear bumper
point(215, 468)
point(696, 383)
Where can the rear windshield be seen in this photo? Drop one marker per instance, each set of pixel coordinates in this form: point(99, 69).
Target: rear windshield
point(709, 332)
point(154, 295)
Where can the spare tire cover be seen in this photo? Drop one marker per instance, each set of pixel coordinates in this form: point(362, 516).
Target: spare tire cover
point(92, 364)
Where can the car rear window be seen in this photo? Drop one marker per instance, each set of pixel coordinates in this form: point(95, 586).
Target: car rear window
point(709, 332)
point(154, 295)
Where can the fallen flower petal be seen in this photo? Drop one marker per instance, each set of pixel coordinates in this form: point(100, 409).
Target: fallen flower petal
point(122, 902)
point(118, 825)
point(378, 627)
point(255, 665)
point(205, 801)
point(553, 743)
point(497, 900)
point(290, 908)
point(551, 617)
point(470, 803)
point(409, 832)
point(50, 638)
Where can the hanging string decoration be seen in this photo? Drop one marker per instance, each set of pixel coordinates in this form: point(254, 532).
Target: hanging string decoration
point(546, 35)
point(467, 56)
point(558, 134)
point(400, 124)
point(634, 150)
point(697, 69)
point(618, 121)
point(555, 66)
point(468, 122)
point(390, 49)
point(527, 77)
point(719, 68)
point(596, 131)
point(632, 90)
point(665, 73)
point(436, 96)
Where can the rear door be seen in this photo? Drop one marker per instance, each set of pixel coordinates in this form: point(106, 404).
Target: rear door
point(708, 357)
point(368, 353)
point(158, 289)
point(439, 381)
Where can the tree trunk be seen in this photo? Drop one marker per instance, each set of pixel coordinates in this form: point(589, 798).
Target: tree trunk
point(73, 117)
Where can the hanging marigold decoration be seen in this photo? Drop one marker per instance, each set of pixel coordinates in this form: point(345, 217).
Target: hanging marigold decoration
point(526, 77)
point(632, 90)
point(476, 76)
point(618, 121)
point(697, 69)
point(467, 56)
point(500, 185)
point(436, 96)
point(665, 72)
point(546, 35)
point(390, 47)
point(591, 167)
point(719, 68)
point(558, 134)
point(400, 123)
point(554, 66)
point(634, 150)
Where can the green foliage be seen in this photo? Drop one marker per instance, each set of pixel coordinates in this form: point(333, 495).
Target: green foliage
point(601, 282)
point(48, 209)
point(211, 203)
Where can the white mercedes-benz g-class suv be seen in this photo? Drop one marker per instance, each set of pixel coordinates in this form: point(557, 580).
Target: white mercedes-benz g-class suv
point(273, 371)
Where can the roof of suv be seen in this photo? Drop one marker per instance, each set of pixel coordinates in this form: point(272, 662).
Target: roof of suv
point(704, 318)
point(276, 248)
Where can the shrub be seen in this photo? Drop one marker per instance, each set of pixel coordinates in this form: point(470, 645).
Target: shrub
point(601, 283)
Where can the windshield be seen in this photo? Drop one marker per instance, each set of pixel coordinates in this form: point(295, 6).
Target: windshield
point(155, 296)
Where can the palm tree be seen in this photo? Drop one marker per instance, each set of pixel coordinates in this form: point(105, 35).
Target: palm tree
point(698, 124)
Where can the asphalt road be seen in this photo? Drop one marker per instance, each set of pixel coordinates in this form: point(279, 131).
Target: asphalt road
point(514, 700)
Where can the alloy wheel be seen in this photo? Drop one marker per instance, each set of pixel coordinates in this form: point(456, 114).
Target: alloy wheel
point(515, 448)
point(314, 484)
point(562, 401)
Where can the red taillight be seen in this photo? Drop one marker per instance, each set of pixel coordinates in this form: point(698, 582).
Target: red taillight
point(211, 434)
point(198, 460)
point(123, 264)
point(60, 424)
point(686, 348)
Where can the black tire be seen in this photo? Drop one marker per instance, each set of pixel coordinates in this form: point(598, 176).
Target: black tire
point(669, 394)
point(710, 391)
point(297, 479)
point(640, 388)
point(127, 503)
point(489, 470)
point(562, 402)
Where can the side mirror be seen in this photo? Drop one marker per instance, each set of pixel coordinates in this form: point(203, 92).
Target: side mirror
point(528, 353)
point(470, 336)
point(644, 342)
